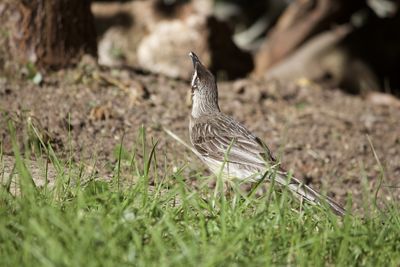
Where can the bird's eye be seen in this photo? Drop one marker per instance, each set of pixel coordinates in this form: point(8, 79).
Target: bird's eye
point(195, 82)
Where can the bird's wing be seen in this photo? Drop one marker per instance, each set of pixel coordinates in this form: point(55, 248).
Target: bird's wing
point(221, 138)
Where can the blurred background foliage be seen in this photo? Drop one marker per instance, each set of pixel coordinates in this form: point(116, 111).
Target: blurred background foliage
point(353, 45)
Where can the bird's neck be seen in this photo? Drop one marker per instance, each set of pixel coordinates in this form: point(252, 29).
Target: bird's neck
point(205, 103)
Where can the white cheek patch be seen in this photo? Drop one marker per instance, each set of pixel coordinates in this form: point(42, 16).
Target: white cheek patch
point(194, 78)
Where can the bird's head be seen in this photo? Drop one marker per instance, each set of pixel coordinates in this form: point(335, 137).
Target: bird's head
point(204, 89)
point(202, 79)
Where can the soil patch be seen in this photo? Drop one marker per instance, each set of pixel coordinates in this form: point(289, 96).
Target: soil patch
point(322, 135)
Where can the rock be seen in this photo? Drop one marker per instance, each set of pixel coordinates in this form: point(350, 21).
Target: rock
point(157, 37)
point(165, 49)
point(111, 47)
point(382, 99)
point(120, 27)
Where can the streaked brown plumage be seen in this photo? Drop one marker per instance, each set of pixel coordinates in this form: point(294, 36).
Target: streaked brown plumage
point(228, 148)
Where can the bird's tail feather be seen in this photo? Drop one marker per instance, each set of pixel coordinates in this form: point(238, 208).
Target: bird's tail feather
point(309, 194)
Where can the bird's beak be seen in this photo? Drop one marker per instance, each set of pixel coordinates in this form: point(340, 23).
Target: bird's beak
point(195, 60)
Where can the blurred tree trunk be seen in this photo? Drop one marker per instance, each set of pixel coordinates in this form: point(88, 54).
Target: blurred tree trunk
point(54, 33)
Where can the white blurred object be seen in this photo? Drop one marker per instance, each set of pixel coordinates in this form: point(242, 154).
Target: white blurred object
point(113, 40)
point(384, 8)
point(165, 49)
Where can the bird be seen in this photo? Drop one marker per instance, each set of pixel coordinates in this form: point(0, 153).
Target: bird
point(230, 150)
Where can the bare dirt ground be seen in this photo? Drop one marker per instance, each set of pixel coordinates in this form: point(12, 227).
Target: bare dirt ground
point(320, 134)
